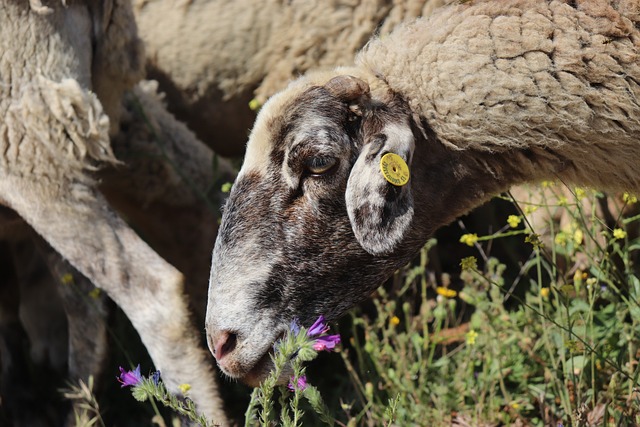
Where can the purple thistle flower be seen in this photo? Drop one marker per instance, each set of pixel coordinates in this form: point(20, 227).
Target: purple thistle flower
point(301, 383)
point(326, 343)
point(129, 378)
point(318, 327)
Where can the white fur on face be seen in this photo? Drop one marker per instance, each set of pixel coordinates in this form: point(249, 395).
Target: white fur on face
point(260, 143)
point(228, 293)
point(244, 259)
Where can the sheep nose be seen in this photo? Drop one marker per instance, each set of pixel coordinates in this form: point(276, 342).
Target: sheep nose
point(222, 344)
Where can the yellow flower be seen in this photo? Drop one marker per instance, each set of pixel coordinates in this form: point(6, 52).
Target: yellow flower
point(226, 187)
point(529, 209)
point(394, 321)
point(561, 239)
point(469, 263)
point(446, 292)
point(95, 293)
point(469, 239)
point(67, 279)
point(579, 276)
point(184, 388)
point(578, 235)
point(471, 337)
point(562, 201)
point(629, 198)
point(618, 233)
point(544, 292)
point(254, 105)
point(580, 193)
point(547, 184)
point(515, 405)
point(514, 221)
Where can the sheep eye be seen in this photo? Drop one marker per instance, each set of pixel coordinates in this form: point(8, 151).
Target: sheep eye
point(320, 165)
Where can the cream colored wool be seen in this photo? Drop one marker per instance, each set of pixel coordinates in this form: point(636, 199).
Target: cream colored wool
point(55, 131)
point(559, 81)
point(237, 45)
point(213, 56)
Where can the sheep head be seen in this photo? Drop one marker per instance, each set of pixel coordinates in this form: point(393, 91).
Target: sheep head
point(311, 225)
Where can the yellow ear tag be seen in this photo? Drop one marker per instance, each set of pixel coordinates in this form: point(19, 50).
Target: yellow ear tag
point(394, 169)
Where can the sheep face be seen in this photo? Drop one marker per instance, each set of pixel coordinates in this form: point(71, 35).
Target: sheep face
point(311, 226)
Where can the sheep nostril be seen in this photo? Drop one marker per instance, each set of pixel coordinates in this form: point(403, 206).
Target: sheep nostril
point(224, 345)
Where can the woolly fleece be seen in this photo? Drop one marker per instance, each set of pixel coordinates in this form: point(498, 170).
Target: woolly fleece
point(557, 79)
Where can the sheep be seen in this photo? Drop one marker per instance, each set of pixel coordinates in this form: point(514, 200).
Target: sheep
point(476, 98)
point(63, 73)
point(212, 57)
point(210, 88)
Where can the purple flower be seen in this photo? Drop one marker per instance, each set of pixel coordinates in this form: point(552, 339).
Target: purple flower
point(294, 326)
point(129, 378)
point(322, 342)
point(155, 377)
point(301, 383)
point(318, 327)
point(327, 342)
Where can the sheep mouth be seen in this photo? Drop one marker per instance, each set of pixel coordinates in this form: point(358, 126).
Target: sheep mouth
point(260, 371)
point(264, 366)
point(253, 374)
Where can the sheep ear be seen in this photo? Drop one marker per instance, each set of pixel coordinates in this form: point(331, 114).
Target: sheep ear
point(348, 88)
point(378, 195)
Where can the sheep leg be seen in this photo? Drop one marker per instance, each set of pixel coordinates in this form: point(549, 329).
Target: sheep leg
point(87, 312)
point(75, 219)
point(40, 307)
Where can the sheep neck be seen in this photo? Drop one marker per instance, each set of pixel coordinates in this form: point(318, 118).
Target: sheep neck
point(448, 183)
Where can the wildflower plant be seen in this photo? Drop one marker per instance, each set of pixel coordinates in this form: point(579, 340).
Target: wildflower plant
point(152, 389)
point(298, 346)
